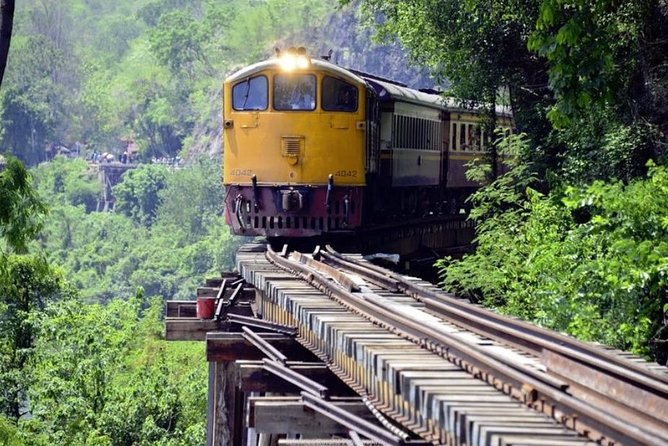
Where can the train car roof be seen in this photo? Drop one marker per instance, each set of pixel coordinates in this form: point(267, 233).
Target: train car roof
point(388, 91)
point(274, 64)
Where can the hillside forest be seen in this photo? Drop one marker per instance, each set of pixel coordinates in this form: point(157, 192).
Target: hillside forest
point(573, 238)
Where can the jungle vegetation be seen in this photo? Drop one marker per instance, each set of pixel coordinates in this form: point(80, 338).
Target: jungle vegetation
point(82, 355)
point(573, 238)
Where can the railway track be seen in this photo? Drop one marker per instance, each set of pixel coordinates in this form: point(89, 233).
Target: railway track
point(437, 369)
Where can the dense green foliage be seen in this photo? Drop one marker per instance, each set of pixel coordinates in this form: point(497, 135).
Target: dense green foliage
point(591, 261)
point(20, 209)
point(27, 284)
point(99, 373)
point(586, 80)
point(137, 196)
point(574, 237)
point(166, 239)
point(81, 359)
point(148, 70)
point(81, 355)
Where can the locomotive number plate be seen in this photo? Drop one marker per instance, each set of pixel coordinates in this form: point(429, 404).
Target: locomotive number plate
point(346, 173)
point(241, 172)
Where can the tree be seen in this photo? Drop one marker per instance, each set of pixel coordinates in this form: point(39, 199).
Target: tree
point(589, 261)
point(6, 25)
point(70, 181)
point(176, 42)
point(20, 209)
point(480, 48)
point(102, 375)
point(27, 283)
point(192, 198)
point(8, 432)
point(34, 103)
point(137, 194)
point(576, 72)
point(607, 68)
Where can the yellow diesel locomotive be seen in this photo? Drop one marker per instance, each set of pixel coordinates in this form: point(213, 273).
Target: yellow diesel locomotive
point(311, 148)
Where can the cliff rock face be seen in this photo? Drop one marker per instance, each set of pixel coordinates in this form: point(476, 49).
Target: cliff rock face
point(352, 47)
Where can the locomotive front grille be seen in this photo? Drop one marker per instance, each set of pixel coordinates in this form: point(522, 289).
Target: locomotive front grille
point(292, 146)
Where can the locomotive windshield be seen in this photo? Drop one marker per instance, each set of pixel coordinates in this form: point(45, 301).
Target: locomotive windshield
point(250, 94)
point(338, 95)
point(294, 92)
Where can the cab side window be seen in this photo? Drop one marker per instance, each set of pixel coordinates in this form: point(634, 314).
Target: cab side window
point(250, 94)
point(294, 92)
point(338, 95)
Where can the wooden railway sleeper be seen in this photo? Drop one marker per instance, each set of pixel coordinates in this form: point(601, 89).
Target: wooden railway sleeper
point(443, 301)
point(595, 419)
point(633, 385)
point(339, 372)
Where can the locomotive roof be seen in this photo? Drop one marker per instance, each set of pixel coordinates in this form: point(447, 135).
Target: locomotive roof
point(274, 64)
point(386, 90)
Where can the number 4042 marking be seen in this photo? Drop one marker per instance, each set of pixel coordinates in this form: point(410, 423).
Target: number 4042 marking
point(345, 173)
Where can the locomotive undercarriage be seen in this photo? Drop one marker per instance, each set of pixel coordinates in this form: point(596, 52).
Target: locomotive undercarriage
point(364, 219)
point(292, 211)
point(401, 204)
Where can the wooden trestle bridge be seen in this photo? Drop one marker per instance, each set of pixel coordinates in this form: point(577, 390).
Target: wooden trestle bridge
point(327, 349)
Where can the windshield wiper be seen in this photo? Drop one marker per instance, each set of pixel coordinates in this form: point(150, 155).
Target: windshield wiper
point(243, 106)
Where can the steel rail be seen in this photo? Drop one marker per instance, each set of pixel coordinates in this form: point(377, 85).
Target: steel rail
point(221, 291)
point(352, 422)
point(522, 334)
point(372, 275)
point(264, 346)
point(223, 305)
point(354, 436)
point(630, 384)
point(643, 398)
point(581, 414)
point(554, 382)
point(306, 384)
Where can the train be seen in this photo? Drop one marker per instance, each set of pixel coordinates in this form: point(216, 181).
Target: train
point(312, 148)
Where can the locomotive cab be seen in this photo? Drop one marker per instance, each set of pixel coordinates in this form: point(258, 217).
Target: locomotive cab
point(294, 147)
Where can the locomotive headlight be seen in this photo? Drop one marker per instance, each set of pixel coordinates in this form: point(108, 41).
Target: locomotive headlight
point(288, 62)
point(294, 58)
point(302, 62)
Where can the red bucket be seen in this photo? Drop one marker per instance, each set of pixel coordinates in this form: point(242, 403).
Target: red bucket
point(206, 307)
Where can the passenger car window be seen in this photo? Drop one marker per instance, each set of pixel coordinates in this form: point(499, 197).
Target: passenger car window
point(338, 95)
point(294, 92)
point(250, 94)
